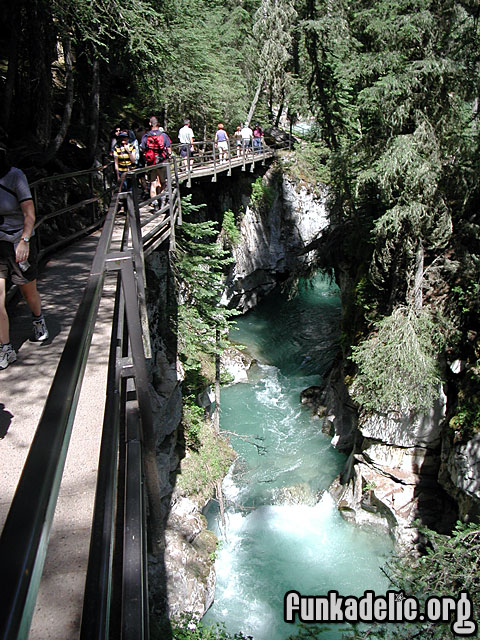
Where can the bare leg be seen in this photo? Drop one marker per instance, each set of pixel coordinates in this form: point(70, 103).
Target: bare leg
point(31, 295)
point(4, 325)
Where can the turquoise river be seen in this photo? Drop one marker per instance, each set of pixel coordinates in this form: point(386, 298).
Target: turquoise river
point(283, 530)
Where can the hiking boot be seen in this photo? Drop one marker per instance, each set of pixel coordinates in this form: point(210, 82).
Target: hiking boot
point(7, 355)
point(40, 331)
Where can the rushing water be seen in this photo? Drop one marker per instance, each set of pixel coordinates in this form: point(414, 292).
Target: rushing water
point(283, 531)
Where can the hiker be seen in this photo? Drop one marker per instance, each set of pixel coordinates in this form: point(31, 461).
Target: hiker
point(185, 135)
point(113, 139)
point(257, 138)
point(238, 139)
point(247, 135)
point(132, 138)
point(154, 147)
point(167, 156)
point(18, 256)
point(221, 140)
point(154, 150)
point(124, 157)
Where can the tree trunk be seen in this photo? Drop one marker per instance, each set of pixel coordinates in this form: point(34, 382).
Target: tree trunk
point(42, 51)
point(94, 110)
point(216, 413)
point(254, 102)
point(417, 290)
point(55, 144)
point(14, 27)
point(280, 109)
point(165, 116)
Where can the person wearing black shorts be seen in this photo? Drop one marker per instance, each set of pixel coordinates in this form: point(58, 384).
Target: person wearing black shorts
point(18, 258)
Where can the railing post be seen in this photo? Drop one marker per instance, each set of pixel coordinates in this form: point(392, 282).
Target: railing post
point(143, 395)
point(133, 213)
point(189, 168)
point(90, 184)
point(177, 191)
point(229, 173)
point(214, 179)
point(171, 205)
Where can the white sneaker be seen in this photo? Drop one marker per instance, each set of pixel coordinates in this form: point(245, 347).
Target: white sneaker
point(40, 331)
point(7, 355)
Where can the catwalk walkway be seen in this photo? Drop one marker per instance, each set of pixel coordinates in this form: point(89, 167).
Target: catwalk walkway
point(25, 386)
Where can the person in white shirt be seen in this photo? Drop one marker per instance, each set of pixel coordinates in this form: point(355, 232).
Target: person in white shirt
point(185, 135)
point(247, 135)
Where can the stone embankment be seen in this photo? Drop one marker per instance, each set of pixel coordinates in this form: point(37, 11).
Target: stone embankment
point(400, 469)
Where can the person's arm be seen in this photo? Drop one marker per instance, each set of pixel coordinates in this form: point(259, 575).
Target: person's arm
point(23, 248)
point(115, 159)
point(131, 153)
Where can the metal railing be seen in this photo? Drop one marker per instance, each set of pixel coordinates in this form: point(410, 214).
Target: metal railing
point(24, 539)
point(94, 188)
point(59, 227)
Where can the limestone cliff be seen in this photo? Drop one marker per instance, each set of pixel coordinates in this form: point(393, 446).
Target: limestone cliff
point(182, 580)
point(401, 468)
point(272, 236)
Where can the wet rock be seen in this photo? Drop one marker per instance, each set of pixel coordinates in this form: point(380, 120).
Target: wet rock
point(301, 493)
point(460, 473)
point(183, 581)
point(236, 363)
point(314, 397)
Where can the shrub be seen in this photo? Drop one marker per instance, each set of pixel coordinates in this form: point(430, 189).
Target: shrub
point(203, 467)
point(398, 365)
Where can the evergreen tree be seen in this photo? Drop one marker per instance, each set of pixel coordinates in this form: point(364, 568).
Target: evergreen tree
point(200, 266)
point(273, 29)
point(395, 86)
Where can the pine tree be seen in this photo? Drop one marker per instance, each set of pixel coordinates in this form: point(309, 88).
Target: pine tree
point(200, 270)
point(272, 30)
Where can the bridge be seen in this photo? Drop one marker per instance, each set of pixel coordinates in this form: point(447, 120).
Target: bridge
point(77, 435)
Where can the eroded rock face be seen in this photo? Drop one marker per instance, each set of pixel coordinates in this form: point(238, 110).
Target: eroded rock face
point(391, 477)
point(183, 580)
point(460, 474)
point(272, 238)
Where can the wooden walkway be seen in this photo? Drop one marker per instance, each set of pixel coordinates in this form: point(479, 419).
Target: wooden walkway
point(24, 387)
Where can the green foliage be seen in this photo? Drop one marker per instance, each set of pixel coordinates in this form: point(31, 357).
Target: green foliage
point(262, 195)
point(209, 74)
point(230, 228)
point(466, 420)
point(192, 419)
point(398, 368)
point(199, 268)
point(450, 565)
point(309, 163)
point(273, 30)
point(187, 628)
point(203, 467)
point(466, 296)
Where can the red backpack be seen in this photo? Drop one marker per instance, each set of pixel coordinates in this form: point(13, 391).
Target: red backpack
point(155, 148)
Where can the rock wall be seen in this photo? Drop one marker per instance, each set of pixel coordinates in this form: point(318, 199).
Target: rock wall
point(182, 580)
point(271, 239)
point(401, 469)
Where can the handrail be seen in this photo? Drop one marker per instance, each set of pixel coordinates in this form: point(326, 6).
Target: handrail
point(24, 539)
